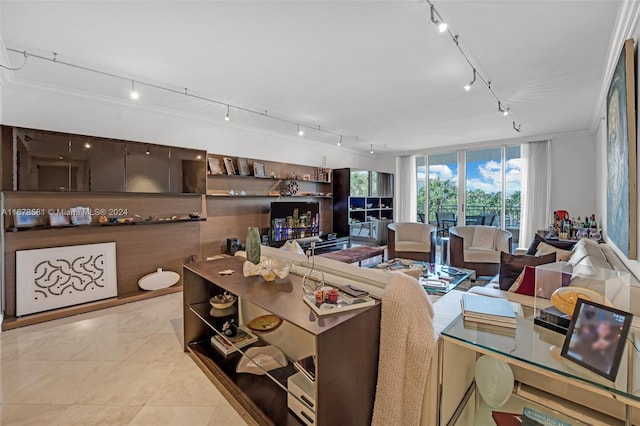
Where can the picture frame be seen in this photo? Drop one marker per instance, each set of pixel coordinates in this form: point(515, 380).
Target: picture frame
point(258, 169)
point(622, 197)
point(596, 337)
point(59, 219)
point(26, 219)
point(306, 178)
point(214, 166)
point(80, 215)
point(228, 165)
point(243, 167)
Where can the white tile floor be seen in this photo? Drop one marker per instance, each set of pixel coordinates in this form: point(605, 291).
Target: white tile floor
point(118, 366)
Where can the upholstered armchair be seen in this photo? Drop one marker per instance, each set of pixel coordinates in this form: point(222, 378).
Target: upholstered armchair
point(478, 248)
point(408, 240)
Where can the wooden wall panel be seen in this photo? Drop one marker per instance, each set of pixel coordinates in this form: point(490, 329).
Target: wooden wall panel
point(140, 249)
point(229, 217)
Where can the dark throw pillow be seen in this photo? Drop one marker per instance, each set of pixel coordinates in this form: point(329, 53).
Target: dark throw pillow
point(537, 239)
point(511, 265)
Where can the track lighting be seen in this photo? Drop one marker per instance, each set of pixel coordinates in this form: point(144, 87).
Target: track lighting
point(516, 127)
point(371, 150)
point(340, 141)
point(504, 111)
point(226, 117)
point(133, 94)
point(442, 26)
point(148, 152)
point(467, 86)
point(300, 131)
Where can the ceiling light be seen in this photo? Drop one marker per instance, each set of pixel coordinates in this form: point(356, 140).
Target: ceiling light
point(198, 157)
point(87, 145)
point(134, 94)
point(371, 151)
point(467, 86)
point(340, 141)
point(300, 131)
point(226, 117)
point(442, 26)
point(504, 111)
point(148, 152)
point(516, 127)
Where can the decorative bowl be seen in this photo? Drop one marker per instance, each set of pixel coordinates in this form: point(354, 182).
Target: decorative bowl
point(269, 268)
point(223, 300)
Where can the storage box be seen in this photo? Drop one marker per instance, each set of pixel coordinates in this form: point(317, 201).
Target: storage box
point(301, 398)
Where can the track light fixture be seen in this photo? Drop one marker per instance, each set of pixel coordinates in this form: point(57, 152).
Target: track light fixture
point(371, 150)
point(437, 20)
point(340, 141)
point(53, 58)
point(504, 111)
point(134, 94)
point(442, 26)
point(467, 86)
point(148, 152)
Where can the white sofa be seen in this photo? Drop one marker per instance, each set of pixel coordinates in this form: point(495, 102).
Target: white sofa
point(587, 259)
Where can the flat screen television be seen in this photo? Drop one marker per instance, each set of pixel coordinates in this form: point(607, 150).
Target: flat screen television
point(290, 220)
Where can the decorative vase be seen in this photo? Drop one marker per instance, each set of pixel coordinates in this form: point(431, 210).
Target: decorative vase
point(582, 233)
point(253, 245)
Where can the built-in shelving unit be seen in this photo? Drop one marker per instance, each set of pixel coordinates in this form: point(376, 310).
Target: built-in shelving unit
point(363, 206)
point(345, 346)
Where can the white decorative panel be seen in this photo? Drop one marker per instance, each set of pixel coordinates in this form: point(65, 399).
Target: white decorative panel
point(52, 278)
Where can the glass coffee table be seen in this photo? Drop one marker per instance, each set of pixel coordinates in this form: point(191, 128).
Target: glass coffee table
point(435, 279)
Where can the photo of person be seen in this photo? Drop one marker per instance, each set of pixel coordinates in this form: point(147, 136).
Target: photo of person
point(597, 337)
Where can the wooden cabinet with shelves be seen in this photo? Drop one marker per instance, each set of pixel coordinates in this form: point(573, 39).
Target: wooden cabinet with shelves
point(345, 346)
point(364, 216)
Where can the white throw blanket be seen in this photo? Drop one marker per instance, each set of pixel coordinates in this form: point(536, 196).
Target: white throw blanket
point(407, 342)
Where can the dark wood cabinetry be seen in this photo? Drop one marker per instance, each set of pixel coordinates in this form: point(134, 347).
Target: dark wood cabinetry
point(345, 346)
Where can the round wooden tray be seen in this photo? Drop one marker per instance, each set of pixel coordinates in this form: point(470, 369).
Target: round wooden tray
point(264, 323)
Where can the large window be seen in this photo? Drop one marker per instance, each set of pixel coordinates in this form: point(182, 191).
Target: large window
point(471, 187)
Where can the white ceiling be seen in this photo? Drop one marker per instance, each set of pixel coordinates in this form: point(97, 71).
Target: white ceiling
point(376, 69)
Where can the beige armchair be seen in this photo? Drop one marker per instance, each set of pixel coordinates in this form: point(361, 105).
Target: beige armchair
point(478, 248)
point(410, 240)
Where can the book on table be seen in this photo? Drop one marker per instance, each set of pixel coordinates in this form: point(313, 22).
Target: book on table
point(488, 310)
point(531, 417)
point(227, 345)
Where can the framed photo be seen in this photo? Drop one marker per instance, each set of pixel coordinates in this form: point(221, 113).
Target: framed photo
point(228, 165)
point(622, 194)
point(306, 177)
point(258, 169)
point(59, 219)
point(214, 166)
point(596, 337)
point(243, 167)
point(80, 215)
point(26, 219)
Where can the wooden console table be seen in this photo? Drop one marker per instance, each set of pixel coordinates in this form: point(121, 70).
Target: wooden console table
point(345, 346)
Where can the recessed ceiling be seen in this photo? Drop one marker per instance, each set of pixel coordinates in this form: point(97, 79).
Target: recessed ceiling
point(376, 69)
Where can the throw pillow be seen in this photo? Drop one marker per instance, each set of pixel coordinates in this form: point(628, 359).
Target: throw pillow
point(526, 282)
point(561, 255)
point(483, 237)
point(537, 239)
point(511, 265)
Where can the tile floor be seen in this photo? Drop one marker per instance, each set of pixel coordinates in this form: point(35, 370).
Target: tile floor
point(118, 366)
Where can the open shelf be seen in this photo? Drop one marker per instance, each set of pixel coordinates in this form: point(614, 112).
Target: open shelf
point(258, 395)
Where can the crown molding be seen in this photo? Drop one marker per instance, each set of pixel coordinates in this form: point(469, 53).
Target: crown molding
point(624, 28)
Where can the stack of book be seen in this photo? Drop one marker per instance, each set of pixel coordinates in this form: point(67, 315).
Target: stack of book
point(529, 417)
point(227, 345)
point(488, 310)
